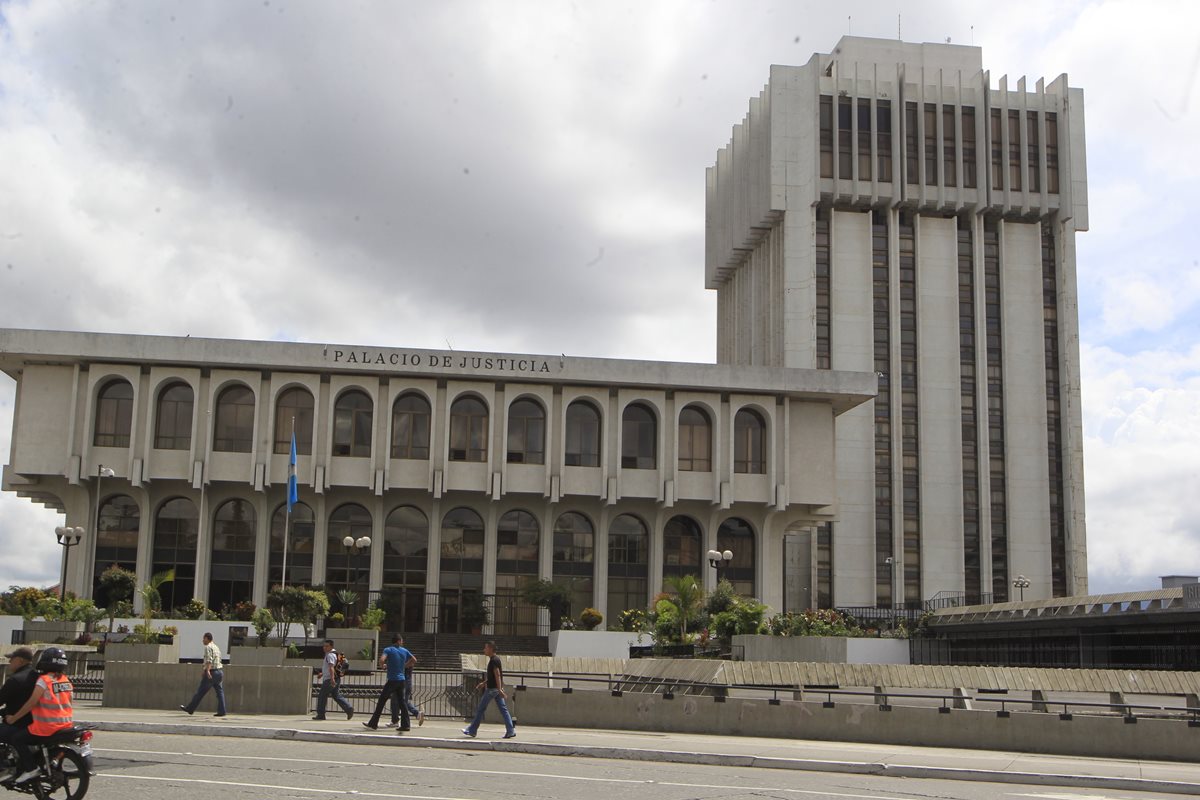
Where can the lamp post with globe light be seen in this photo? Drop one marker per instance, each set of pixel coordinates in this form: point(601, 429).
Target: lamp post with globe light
point(354, 547)
point(68, 538)
point(719, 561)
point(1021, 583)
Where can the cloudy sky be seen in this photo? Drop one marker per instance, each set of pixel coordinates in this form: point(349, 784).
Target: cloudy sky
point(529, 177)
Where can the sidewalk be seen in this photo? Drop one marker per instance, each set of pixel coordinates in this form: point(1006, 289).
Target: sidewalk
point(869, 759)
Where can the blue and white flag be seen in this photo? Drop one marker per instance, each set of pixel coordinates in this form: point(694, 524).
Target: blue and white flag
point(293, 493)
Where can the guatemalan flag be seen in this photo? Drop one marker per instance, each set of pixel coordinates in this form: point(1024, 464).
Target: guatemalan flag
point(293, 494)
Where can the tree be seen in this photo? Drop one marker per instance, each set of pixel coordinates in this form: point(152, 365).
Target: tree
point(290, 604)
point(688, 599)
point(152, 600)
point(263, 621)
point(549, 595)
point(118, 585)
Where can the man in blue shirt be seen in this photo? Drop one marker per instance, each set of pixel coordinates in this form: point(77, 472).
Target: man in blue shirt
point(396, 658)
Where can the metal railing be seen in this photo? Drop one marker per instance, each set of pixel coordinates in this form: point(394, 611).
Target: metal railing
point(506, 614)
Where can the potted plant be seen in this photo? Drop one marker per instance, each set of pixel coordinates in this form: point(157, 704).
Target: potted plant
point(590, 619)
point(475, 613)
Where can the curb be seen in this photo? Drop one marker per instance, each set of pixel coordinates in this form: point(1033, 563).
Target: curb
point(663, 756)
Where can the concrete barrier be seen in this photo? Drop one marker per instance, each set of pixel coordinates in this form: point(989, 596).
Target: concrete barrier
point(1027, 732)
point(823, 649)
point(248, 689)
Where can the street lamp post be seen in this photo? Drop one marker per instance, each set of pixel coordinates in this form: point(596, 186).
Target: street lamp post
point(68, 538)
point(354, 547)
point(1021, 583)
point(719, 560)
point(891, 563)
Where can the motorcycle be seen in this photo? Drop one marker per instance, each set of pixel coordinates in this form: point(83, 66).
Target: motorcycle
point(65, 764)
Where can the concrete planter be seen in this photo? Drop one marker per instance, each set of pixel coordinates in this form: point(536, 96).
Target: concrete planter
point(351, 641)
point(153, 653)
point(595, 644)
point(51, 632)
point(822, 649)
point(244, 655)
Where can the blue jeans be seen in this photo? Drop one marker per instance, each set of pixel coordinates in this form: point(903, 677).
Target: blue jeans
point(330, 689)
point(408, 690)
point(216, 682)
point(488, 696)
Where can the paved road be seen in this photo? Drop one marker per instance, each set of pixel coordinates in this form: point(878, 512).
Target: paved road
point(138, 767)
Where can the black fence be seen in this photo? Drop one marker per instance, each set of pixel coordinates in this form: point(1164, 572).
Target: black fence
point(455, 611)
point(436, 693)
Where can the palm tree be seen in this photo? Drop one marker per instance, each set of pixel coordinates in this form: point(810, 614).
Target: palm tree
point(151, 599)
point(688, 598)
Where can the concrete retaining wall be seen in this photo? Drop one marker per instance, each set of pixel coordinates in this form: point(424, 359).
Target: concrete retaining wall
point(823, 649)
point(248, 689)
point(595, 644)
point(1029, 732)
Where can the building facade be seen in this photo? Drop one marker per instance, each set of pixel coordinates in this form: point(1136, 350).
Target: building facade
point(883, 208)
point(470, 473)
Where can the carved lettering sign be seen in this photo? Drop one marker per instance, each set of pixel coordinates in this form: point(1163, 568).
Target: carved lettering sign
point(439, 361)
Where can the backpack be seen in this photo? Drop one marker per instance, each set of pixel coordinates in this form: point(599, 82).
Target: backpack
point(341, 667)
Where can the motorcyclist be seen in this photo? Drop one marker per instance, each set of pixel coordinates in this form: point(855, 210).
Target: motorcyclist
point(16, 690)
point(49, 707)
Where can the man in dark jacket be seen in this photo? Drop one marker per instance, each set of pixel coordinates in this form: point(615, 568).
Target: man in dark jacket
point(16, 691)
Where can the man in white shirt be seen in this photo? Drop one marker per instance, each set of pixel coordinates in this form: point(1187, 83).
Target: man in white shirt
point(329, 684)
point(213, 678)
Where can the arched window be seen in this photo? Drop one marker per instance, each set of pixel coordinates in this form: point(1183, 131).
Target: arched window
point(114, 414)
point(737, 536)
point(176, 527)
point(232, 573)
point(468, 430)
point(173, 422)
point(517, 538)
point(526, 432)
point(116, 540)
point(695, 440)
point(639, 438)
point(349, 567)
point(628, 557)
point(352, 417)
point(294, 411)
point(682, 548)
point(583, 435)
point(301, 538)
point(749, 443)
point(234, 428)
point(410, 427)
point(460, 570)
point(574, 552)
point(405, 551)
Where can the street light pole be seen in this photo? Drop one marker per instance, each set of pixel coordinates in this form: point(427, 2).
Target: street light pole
point(891, 563)
point(68, 538)
point(719, 560)
point(1021, 583)
point(353, 547)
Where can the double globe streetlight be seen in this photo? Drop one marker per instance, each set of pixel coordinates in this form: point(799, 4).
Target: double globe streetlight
point(69, 536)
point(719, 560)
point(1021, 583)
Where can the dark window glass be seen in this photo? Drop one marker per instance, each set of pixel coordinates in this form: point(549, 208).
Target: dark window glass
point(995, 417)
point(173, 423)
point(405, 562)
point(574, 552)
point(682, 548)
point(353, 416)
point(460, 568)
point(1014, 150)
point(969, 152)
point(231, 576)
point(737, 536)
point(628, 559)
point(825, 565)
point(114, 414)
point(294, 411)
point(949, 148)
point(176, 528)
point(468, 430)
point(526, 432)
point(234, 429)
point(1052, 152)
point(881, 322)
point(931, 144)
point(116, 539)
point(826, 123)
point(639, 438)
point(1033, 151)
point(995, 134)
point(749, 443)
point(410, 427)
point(695, 440)
point(583, 435)
point(883, 139)
point(863, 107)
point(349, 567)
point(517, 538)
point(845, 139)
point(912, 171)
point(301, 538)
point(824, 330)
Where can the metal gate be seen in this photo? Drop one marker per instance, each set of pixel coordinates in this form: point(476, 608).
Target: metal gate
point(439, 694)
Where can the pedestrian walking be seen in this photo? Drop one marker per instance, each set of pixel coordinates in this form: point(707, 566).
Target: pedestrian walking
point(493, 689)
point(398, 661)
point(213, 678)
point(329, 684)
point(413, 710)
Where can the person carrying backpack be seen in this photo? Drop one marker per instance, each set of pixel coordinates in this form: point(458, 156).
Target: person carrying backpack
point(331, 677)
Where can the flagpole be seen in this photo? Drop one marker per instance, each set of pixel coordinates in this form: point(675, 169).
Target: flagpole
point(287, 514)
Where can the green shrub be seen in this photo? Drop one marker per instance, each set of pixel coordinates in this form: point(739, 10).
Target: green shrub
point(590, 619)
point(632, 619)
point(263, 622)
point(372, 619)
point(194, 609)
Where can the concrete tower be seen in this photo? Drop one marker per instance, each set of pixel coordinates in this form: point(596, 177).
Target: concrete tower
point(884, 208)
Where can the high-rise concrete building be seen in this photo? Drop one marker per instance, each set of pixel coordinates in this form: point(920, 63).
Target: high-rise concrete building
point(888, 207)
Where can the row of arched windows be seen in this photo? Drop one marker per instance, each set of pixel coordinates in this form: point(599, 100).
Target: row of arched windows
point(174, 545)
point(353, 417)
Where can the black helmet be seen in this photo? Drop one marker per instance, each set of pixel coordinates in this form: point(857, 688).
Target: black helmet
point(52, 659)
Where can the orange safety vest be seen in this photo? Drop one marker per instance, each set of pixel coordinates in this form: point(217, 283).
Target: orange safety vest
point(53, 710)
